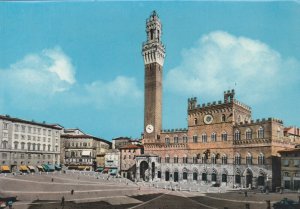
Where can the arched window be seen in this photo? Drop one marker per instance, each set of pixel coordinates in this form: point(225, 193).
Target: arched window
point(16, 145)
point(224, 177)
point(260, 133)
point(185, 159)
point(224, 159)
point(23, 145)
point(28, 145)
point(237, 159)
point(194, 159)
point(195, 138)
point(213, 137)
point(175, 139)
point(49, 147)
point(167, 159)
point(204, 138)
point(213, 159)
point(237, 135)
point(261, 159)
point(224, 136)
point(175, 159)
point(151, 34)
point(223, 119)
point(195, 121)
point(249, 159)
point(185, 139)
point(248, 133)
point(44, 147)
point(167, 140)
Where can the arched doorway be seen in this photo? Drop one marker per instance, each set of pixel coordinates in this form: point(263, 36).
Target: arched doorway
point(204, 176)
point(195, 176)
point(176, 176)
point(214, 177)
point(153, 170)
point(237, 178)
point(167, 175)
point(184, 175)
point(224, 178)
point(143, 170)
point(261, 180)
point(249, 177)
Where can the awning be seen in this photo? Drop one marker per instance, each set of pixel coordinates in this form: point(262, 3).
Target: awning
point(81, 167)
point(5, 168)
point(57, 167)
point(45, 167)
point(113, 171)
point(40, 167)
point(86, 153)
point(105, 170)
point(99, 169)
point(31, 167)
point(51, 167)
point(23, 168)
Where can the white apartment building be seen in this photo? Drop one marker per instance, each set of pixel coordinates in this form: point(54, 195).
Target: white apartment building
point(28, 143)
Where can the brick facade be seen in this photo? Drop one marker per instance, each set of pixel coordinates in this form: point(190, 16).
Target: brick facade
point(222, 144)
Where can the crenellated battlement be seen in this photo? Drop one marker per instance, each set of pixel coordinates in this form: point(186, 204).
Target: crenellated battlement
point(262, 120)
point(228, 99)
point(229, 96)
point(177, 130)
point(235, 101)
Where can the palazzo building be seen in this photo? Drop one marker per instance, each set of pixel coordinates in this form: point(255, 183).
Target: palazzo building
point(222, 143)
point(28, 143)
point(83, 151)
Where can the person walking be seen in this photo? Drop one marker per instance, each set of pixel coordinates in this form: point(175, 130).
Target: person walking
point(62, 201)
point(10, 203)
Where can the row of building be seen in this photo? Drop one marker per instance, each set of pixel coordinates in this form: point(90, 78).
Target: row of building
point(31, 144)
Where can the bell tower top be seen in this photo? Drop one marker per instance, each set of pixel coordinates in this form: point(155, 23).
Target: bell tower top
point(153, 50)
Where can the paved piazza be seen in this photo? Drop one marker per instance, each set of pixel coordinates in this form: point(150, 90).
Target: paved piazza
point(93, 190)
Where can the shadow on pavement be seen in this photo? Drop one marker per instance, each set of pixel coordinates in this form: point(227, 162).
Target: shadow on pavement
point(45, 204)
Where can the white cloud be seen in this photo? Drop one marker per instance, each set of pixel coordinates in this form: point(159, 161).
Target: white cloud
point(48, 78)
point(122, 90)
point(46, 73)
point(220, 60)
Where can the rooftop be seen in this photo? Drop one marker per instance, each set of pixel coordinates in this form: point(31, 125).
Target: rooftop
point(18, 120)
point(84, 136)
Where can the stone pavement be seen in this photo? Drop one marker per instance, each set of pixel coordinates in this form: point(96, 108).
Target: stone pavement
point(94, 190)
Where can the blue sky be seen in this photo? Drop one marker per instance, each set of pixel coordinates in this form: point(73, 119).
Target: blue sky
point(79, 64)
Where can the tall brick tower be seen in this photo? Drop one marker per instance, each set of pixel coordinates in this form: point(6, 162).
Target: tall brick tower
point(154, 53)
